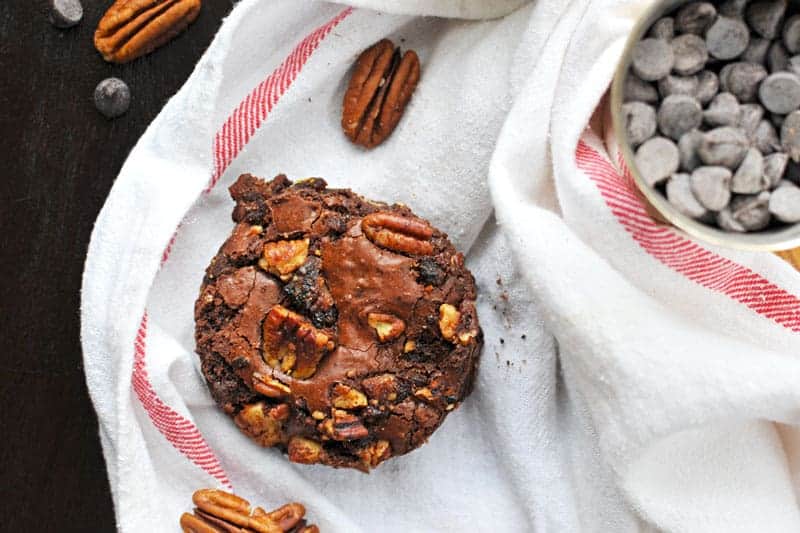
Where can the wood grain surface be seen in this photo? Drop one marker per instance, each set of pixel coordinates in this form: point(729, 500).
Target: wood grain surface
point(59, 158)
point(792, 256)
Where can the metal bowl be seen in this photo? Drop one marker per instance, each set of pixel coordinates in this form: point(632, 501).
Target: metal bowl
point(766, 240)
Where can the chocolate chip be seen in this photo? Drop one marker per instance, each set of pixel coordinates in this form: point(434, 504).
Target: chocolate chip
point(727, 38)
point(765, 17)
point(65, 13)
point(749, 118)
point(663, 28)
point(756, 51)
point(723, 111)
point(726, 221)
point(780, 92)
point(774, 168)
point(732, 8)
point(711, 186)
point(742, 80)
point(652, 59)
point(784, 203)
point(638, 90)
point(307, 293)
point(695, 17)
point(751, 212)
point(792, 172)
point(724, 146)
point(640, 122)
point(794, 65)
point(672, 84)
point(729, 107)
point(791, 34)
point(112, 97)
point(657, 159)
point(765, 138)
point(777, 57)
point(679, 114)
point(680, 195)
point(748, 177)
point(687, 148)
point(707, 86)
point(790, 135)
point(429, 272)
point(689, 54)
point(240, 363)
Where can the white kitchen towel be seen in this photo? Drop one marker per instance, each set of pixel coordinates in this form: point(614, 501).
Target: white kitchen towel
point(632, 379)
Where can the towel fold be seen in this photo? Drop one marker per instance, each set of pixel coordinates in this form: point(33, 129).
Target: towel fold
point(632, 378)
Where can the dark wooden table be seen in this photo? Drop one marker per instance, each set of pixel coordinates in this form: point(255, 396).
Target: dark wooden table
point(59, 158)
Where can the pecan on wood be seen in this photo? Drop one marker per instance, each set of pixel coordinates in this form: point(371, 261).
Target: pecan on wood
point(379, 90)
point(133, 28)
point(219, 511)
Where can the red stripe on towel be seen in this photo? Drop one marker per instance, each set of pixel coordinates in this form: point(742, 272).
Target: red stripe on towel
point(684, 255)
point(254, 109)
point(179, 431)
point(235, 133)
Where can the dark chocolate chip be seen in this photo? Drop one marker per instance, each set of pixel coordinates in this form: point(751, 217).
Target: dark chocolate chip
point(112, 97)
point(65, 13)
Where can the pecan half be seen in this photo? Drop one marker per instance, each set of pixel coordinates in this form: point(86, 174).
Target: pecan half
point(293, 344)
point(133, 28)
point(380, 88)
point(398, 233)
point(218, 511)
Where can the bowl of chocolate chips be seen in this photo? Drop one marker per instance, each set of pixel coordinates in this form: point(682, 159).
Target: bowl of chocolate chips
point(706, 108)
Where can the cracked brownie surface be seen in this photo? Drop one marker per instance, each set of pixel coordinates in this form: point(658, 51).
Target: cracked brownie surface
point(337, 329)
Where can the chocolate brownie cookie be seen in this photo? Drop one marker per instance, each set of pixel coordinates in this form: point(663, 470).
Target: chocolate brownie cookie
point(338, 329)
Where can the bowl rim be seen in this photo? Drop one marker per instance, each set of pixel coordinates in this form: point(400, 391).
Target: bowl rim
point(773, 240)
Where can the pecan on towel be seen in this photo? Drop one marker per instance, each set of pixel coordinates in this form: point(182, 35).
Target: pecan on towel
point(378, 92)
point(222, 512)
